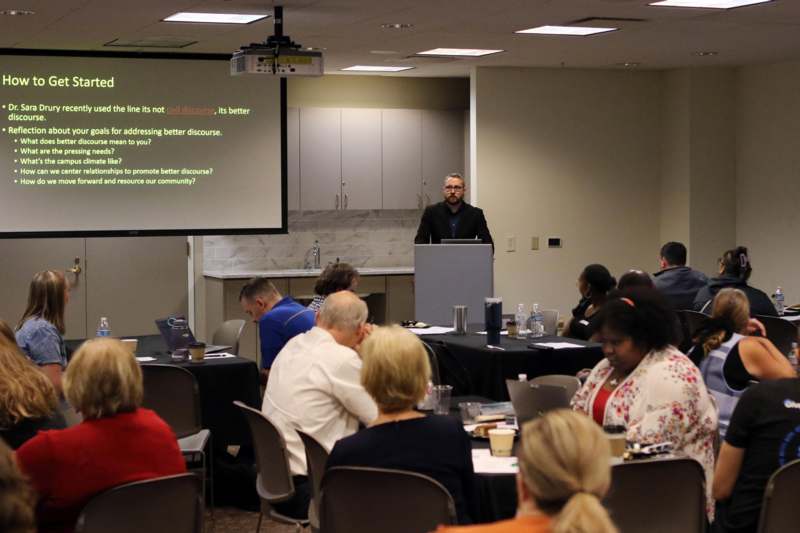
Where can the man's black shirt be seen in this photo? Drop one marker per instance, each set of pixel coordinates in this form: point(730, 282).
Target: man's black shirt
point(468, 223)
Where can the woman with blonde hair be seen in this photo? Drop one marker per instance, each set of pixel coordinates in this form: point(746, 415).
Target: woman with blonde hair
point(118, 441)
point(564, 472)
point(40, 330)
point(28, 401)
point(728, 359)
point(395, 373)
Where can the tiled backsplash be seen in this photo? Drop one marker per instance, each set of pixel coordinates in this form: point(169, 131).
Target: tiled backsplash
point(376, 238)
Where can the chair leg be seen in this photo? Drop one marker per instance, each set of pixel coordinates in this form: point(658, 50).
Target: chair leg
point(260, 516)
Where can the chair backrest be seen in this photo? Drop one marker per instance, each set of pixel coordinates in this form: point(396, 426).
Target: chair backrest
point(658, 496)
point(570, 383)
point(531, 400)
point(228, 334)
point(274, 482)
point(172, 392)
point(692, 321)
point(169, 504)
point(781, 332)
point(550, 321)
point(434, 361)
point(316, 459)
point(377, 499)
point(779, 510)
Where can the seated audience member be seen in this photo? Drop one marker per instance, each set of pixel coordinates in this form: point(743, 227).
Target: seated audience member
point(118, 442)
point(645, 384)
point(17, 500)
point(635, 279)
point(396, 373)
point(315, 387)
point(728, 359)
point(564, 472)
point(336, 277)
point(39, 331)
point(28, 401)
point(734, 271)
point(594, 283)
point(279, 318)
point(676, 281)
point(762, 437)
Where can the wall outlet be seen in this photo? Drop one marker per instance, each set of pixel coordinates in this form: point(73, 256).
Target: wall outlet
point(554, 242)
point(511, 243)
point(534, 243)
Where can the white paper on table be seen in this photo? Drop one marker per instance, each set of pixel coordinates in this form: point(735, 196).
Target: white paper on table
point(558, 345)
point(218, 355)
point(485, 463)
point(145, 359)
point(433, 330)
point(791, 318)
point(502, 332)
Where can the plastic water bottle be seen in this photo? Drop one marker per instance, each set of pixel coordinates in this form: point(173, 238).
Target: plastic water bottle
point(103, 329)
point(793, 357)
point(537, 322)
point(779, 301)
point(521, 318)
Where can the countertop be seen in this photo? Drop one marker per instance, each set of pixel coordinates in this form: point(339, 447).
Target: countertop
point(301, 273)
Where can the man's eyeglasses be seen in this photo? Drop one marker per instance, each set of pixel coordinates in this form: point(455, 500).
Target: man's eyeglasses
point(453, 188)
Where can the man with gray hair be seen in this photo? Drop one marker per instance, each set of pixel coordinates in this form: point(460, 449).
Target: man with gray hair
point(453, 218)
point(315, 387)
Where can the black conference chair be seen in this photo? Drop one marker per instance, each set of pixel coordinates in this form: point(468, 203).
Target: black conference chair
point(779, 510)
point(316, 459)
point(781, 332)
point(434, 361)
point(172, 392)
point(658, 496)
point(360, 499)
point(171, 504)
point(228, 334)
point(274, 481)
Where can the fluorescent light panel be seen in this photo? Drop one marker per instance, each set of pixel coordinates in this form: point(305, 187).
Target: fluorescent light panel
point(458, 52)
point(215, 18)
point(376, 68)
point(711, 4)
point(565, 30)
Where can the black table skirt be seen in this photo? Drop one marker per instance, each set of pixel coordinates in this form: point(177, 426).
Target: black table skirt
point(471, 368)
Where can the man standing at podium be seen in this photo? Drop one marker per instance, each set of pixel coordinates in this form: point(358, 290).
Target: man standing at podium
point(453, 218)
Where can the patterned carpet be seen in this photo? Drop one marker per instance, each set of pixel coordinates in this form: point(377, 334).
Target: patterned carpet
point(233, 520)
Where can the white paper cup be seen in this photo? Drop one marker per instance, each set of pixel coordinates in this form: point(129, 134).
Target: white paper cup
point(131, 344)
point(501, 441)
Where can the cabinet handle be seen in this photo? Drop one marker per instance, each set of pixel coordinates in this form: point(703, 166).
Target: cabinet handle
point(337, 201)
point(345, 201)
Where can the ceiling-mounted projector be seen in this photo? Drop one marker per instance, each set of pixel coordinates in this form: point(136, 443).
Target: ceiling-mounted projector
point(277, 56)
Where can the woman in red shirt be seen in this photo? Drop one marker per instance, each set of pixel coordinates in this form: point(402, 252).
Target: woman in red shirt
point(118, 442)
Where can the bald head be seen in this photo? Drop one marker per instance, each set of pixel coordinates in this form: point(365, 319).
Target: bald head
point(343, 311)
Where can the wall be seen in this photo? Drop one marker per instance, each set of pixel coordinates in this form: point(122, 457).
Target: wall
point(767, 184)
point(363, 238)
point(573, 154)
point(675, 158)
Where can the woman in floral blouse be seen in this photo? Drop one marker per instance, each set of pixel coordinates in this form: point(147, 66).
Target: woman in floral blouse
point(645, 384)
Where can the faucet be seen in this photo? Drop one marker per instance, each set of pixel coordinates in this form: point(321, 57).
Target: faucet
point(315, 253)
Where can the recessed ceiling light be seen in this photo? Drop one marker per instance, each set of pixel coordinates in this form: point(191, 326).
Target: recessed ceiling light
point(629, 64)
point(215, 18)
point(17, 12)
point(565, 30)
point(458, 52)
point(396, 26)
point(376, 68)
point(706, 53)
point(710, 4)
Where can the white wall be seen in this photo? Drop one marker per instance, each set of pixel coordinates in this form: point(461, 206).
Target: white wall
point(573, 154)
point(767, 184)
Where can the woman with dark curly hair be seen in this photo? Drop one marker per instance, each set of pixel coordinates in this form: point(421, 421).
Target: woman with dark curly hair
point(645, 384)
point(336, 277)
point(734, 271)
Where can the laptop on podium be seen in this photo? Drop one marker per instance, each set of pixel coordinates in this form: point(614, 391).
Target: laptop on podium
point(175, 342)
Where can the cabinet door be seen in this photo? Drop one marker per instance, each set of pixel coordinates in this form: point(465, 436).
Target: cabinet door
point(442, 150)
point(402, 158)
point(293, 158)
point(320, 158)
point(361, 158)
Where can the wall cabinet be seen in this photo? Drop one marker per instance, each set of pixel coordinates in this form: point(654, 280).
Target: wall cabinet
point(371, 158)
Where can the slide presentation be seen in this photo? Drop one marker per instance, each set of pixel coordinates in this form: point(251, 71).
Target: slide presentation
point(120, 145)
